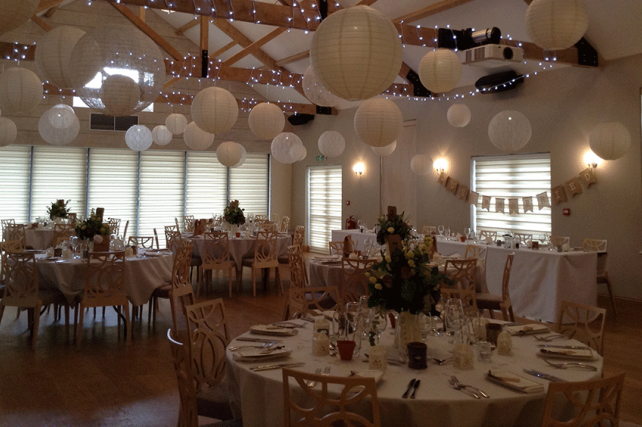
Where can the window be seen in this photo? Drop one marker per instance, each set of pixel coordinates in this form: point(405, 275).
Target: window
point(249, 186)
point(14, 182)
point(324, 205)
point(206, 184)
point(509, 176)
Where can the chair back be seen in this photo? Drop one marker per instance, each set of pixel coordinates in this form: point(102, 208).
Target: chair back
point(13, 231)
point(125, 230)
point(21, 279)
point(141, 242)
point(260, 218)
point(594, 402)
point(5, 247)
point(484, 234)
point(181, 295)
point(353, 280)
point(188, 223)
point(523, 238)
point(560, 241)
point(298, 276)
point(461, 272)
point(594, 245)
point(72, 217)
point(269, 226)
point(506, 277)
point(336, 247)
point(4, 223)
point(429, 229)
point(105, 279)
point(319, 409)
point(114, 226)
point(188, 416)
point(216, 251)
point(582, 322)
point(299, 235)
point(156, 238)
point(301, 301)
point(265, 249)
point(467, 296)
point(171, 228)
point(173, 240)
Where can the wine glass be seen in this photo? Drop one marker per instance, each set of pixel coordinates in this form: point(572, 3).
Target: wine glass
point(74, 244)
point(467, 233)
point(447, 233)
point(440, 228)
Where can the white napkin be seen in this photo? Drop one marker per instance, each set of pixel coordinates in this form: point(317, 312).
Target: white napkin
point(527, 329)
point(515, 381)
point(489, 241)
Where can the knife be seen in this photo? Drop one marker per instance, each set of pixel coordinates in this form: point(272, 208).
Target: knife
point(276, 366)
point(261, 340)
point(410, 384)
point(545, 376)
point(572, 347)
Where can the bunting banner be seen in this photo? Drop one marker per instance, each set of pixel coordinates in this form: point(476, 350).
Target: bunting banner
point(451, 185)
point(462, 192)
point(486, 203)
point(587, 176)
point(473, 198)
point(558, 194)
point(528, 204)
point(543, 201)
point(499, 205)
point(573, 187)
point(513, 206)
point(442, 178)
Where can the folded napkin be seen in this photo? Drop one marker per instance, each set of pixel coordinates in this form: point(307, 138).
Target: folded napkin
point(527, 329)
point(272, 330)
point(514, 381)
point(568, 353)
point(254, 354)
point(489, 241)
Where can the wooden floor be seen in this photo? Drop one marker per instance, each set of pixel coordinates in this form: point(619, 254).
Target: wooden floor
point(106, 383)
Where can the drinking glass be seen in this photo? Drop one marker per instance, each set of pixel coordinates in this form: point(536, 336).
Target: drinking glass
point(440, 228)
point(454, 316)
point(74, 244)
point(467, 232)
point(447, 232)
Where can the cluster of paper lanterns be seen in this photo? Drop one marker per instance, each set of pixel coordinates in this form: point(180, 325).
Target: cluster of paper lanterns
point(556, 24)
point(266, 120)
point(59, 125)
point(378, 122)
point(139, 138)
point(331, 143)
point(440, 70)
point(316, 92)
point(509, 130)
point(288, 148)
point(8, 131)
point(20, 90)
point(53, 53)
point(16, 13)
point(610, 140)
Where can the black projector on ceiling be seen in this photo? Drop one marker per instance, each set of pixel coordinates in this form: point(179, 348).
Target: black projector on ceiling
point(300, 119)
point(499, 82)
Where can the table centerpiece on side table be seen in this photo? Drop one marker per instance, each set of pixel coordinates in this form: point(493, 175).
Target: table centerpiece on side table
point(233, 215)
point(58, 209)
point(92, 229)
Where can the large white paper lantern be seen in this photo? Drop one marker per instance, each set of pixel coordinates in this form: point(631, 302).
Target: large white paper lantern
point(266, 120)
point(378, 122)
point(15, 13)
point(316, 92)
point(298, 152)
point(120, 95)
point(139, 138)
point(62, 116)
point(421, 164)
point(556, 24)
point(281, 147)
point(304, 154)
point(176, 123)
point(229, 153)
point(331, 143)
point(54, 135)
point(610, 140)
point(386, 150)
point(214, 110)
point(440, 70)
point(458, 115)
point(356, 53)
point(196, 138)
point(53, 53)
point(161, 135)
point(8, 131)
point(20, 90)
point(243, 157)
point(509, 130)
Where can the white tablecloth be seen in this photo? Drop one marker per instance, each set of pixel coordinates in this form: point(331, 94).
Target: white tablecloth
point(324, 274)
point(259, 395)
point(39, 238)
point(358, 237)
point(540, 279)
point(242, 247)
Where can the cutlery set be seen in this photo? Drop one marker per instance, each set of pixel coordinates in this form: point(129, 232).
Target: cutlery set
point(412, 385)
point(468, 389)
point(549, 338)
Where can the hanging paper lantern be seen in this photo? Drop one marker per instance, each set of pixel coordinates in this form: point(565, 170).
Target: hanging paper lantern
point(556, 24)
point(243, 157)
point(53, 53)
point(120, 95)
point(161, 135)
point(16, 13)
point(331, 143)
point(176, 123)
point(386, 150)
point(54, 135)
point(356, 53)
point(316, 92)
point(229, 153)
point(138, 138)
point(421, 164)
point(440, 70)
point(266, 120)
point(298, 152)
point(304, 154)
point(282, 147)
point(610, 140)
point(8, 131)
point(378, 122)
point(215, 110)
point(20, 90)
point(458, 115)
point(62, 116)
point(196, 138)
point(509, 130)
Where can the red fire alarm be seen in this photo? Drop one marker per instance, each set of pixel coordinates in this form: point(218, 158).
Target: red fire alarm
point(566, 212)
point(347, 202)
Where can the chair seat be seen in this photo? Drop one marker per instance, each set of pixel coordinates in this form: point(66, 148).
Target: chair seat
point(51, 296)
point(249, 262)
point(488, 298)
point(284, 260)
point(214, 402)
point(162, 292)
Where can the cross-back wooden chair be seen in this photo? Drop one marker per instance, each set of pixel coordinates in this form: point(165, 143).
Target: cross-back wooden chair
point(269, 226)
point(72, 217)
point(479, 252)
point(216, 256)
point(299, 235)
point(594, 245)
point(265, 256)
point(261, 218)
point(188, 223)
point(114, 225)
point(13, 231)
point(354, 283)
point(105, 287)
point(560, 241)
point(284, 226)
point(336, 247)
point(467, 296)
point(141, 241)
point(599, 246)
point(582, 322)
point(523, 239)
point(173, 240)
point(302, 301)
point(595, 402)
point(462, 272)
point(298, 273)
point(5, 247)
point(492, 302)
point(156, 239)
point(429, 229)
point(4, 223)
point(125, 230)
point(484, 234)
point(319, 408)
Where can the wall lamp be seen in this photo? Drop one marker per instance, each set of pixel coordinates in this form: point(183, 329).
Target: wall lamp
point(359, 168)
point(440, 165)
point(591, 159)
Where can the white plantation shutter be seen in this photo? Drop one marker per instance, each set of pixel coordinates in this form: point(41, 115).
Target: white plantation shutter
point(14, 182)
point(249, 184)
point(206, 185)
point(324, 205)
point(516, 175)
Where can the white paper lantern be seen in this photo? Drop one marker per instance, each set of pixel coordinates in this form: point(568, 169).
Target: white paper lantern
point(378, 122)
point(62, 116)
point(8, 131)
point(120, 95)
point(215, 110)
point(161, 135)
point(316, 92)
point(610, 140)
point(196, 138)
point(556, 24)
point(440, 70)
point(421, 164)
point(458, 115)
point(266, 120)
point(509, 130)
point(176, 123)
point(229, 153)
point(281, 147)
point(57, 136)
point(298, 152)
point(15, 13)
point(356, 53)
point(331, 143)
point(138, 138)
point(243, 157)
point(304, 154)
point(386, 150)
point(53, 53)
point(20, 90)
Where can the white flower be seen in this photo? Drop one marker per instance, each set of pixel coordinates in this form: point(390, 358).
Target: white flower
point(98, 239)
point(391, 229)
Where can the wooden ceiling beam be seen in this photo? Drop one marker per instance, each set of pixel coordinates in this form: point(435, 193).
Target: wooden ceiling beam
point(255, 46)
point(191, 24)
point(433, 9)
point(48, 4)
point(41, 22)
point(142, 13)
point(205, 32)
point(294, 58)
point(51, 11)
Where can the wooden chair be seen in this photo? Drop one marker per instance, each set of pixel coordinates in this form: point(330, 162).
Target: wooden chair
point(302, 301)
point(492, 302)
point(595, 402)
point(336, 248)
point(484, 234)
point(141, 242)
point(216, 256)
point(172, 240)
point(14, 231)
point(354, 283)
point(5, 247)
point(560, 241)
point(320, 409)
point(297, 240)
point(269, 226)
point(188, 223)
point(114, 226)
point(261, 218)
point(284, 226)
point(298, 274)
point(467, 296)
point(582, 322)
point(479, 252)
point(461, 272)
point(156, 238)
point(595, 245)
point(4, 223)
point(265, 256)
point(522, 239)
point(125, 230)
point(429, 229)
point(105, 287)
point(72, 217)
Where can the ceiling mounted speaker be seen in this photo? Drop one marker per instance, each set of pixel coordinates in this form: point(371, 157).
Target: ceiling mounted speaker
point(300, 119)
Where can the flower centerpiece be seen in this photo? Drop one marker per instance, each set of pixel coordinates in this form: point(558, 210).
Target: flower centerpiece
point(233, 215)
point(92, 228)
point(391, 225)
point(58, 209)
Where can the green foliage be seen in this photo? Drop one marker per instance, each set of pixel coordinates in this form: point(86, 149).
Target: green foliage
point(91, 226)
point(396, 225)
point(233, 214)
point(58, 210)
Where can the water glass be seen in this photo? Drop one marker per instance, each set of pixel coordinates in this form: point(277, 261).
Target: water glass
point(484, 351)
point(447, 233)
point(440, 228)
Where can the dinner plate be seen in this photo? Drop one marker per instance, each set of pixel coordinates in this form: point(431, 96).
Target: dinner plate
point(377, 375)
point(271, 330)
point(527, 329)
point(567, 353)
point(253, 354)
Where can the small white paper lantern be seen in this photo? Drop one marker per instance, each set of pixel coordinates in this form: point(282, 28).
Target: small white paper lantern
point(298, 152)
point(15, 13)
point(331, 143)
point(229, 153)
point(20, 90)
point(556, 24)
point(458, 115)
point(385, 150)
point(316, 92)
point(8, 131)
point(440, 70)
point(281, 147)
point(304, 154)
point(356, 53)
point(610, 140)
point(161, 135)
point(62, 116)
point(176, 123)
point(138, 138)
point(196, 138)
point(266, 120)
point(243, 157)
point(509, 130)
point(421, 164)
point(57, 136)
point(120, 95)
point(53, 52)
point(378, 122)
point(214, 110)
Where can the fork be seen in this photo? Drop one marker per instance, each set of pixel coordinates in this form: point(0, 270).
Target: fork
point(549, 338)
point(460, 387)
point(264, 345)
point(567, 365)
point(311, 383)
point(456, 382)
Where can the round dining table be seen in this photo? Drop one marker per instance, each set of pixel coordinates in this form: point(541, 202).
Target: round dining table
point(243, 247)
point(257, 397)
point(39, 238)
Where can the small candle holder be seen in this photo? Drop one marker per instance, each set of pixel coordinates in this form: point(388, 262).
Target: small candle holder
point(378, 358)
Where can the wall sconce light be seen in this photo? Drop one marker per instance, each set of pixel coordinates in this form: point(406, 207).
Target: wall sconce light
point(440, 165)
point(359, 168)
point(592, 160)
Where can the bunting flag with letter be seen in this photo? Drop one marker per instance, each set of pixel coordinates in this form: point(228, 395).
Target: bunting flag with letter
point(473, 198)
point(528, 204)
point(543, 201)
point(573, 186)
point(587, 176)
point(486, 203)
point(558, 194)
point(499, 205)
point(462, 192)
point(451, 185)
point(442, 178)
point(513, 206)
